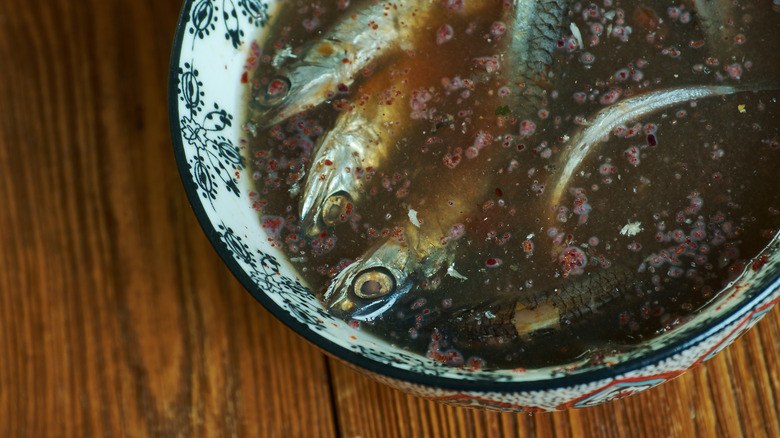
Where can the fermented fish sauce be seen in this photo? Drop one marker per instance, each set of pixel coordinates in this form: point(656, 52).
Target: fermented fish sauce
point(653, 222)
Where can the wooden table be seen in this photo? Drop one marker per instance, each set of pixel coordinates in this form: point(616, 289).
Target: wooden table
point(117, 318)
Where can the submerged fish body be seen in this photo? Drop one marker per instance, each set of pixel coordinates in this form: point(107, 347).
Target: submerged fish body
point(624, 112)
point(537, 25)
point(370, 286)
point(404, 262)
point(718, 20)
point(534, 313)
point(362, 138)
point(425, 249)
point(336, 58)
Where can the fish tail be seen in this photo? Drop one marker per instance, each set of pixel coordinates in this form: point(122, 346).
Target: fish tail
point(494, 323)
point(576, 299)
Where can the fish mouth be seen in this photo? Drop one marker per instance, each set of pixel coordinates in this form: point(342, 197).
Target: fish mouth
point(326, 211)
point(335, 208)
point(277, 89)
point(288, 94)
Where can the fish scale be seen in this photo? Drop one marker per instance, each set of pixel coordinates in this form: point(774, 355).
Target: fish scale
point(570, 301)
point(534, 39)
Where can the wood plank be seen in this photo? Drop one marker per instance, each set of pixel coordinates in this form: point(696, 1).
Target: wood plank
point(117, 317)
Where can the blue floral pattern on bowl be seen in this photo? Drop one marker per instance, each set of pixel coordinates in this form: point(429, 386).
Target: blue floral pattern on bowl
point(205, 97)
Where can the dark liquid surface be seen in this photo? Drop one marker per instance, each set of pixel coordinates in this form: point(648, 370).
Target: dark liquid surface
point(681, 198)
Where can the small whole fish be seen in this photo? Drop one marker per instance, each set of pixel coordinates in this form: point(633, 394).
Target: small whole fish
point(393, 267)
point(364, 136)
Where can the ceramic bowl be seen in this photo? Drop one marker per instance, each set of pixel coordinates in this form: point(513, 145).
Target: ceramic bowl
point(210, 53)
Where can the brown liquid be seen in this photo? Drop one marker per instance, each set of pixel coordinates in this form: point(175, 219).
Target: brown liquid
point(697, 181)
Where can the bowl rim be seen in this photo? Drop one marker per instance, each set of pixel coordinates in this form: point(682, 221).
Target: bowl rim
point(769, 284)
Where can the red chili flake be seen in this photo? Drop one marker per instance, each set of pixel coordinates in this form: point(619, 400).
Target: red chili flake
point(651, 140)
point(272, 225)
point(277, 87)
point(493, 263)
point(527, 128)
point(451, 160)
point(572, 259)
point(475, 363)
point(734, 71)
point(759, 262)
point(457, 231)
point(444, 34)
point(610, 97)
point(455, 5)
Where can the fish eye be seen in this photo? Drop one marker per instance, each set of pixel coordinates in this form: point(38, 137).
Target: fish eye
point(373, 283)
point(334, 208)
point(277, 89)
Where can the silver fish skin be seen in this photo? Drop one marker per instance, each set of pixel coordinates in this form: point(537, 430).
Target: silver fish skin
point(422, 255)
point(361, 138)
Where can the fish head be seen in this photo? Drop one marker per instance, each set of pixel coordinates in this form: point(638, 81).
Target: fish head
point(333, 183)
point(306, 82)
point(370, 286)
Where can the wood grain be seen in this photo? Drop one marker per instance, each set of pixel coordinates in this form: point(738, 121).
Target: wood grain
point(118, 319)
